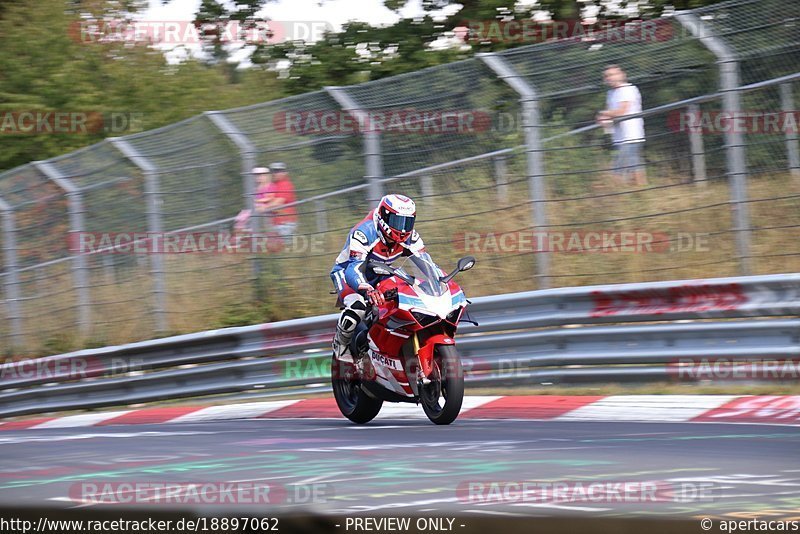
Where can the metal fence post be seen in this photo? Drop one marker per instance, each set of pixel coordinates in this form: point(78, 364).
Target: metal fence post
point(321, 216)
point(728, 62)
point(373, 158)
point(212, 190)
point(697, 149)
point(108, 269)
point(426, 184)
point(11, 278)
point(534, 152)
point(40, 276)
point(76, 223)
point(792, 149)
point(374, 162)
point(501, 178)
point(154, 225)
point(248, 153)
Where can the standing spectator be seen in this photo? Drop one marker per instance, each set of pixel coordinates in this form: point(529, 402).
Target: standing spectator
point(247, 222)
point(263, 178)
point(628, 135)
point(280, 191)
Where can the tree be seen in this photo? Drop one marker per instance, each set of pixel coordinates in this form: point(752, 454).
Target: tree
point(362, 52)
point(219, 22)
point(46, 66)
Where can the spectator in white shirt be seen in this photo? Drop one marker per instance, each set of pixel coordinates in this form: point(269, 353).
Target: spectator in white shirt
point(628, 135)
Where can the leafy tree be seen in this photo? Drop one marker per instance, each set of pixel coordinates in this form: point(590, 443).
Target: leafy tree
point(47, 65)
point(363, 52)
point(217, 21)
point(46, 68)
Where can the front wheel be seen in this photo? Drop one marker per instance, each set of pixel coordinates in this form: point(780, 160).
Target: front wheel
point(352, 401)
point(442, 398)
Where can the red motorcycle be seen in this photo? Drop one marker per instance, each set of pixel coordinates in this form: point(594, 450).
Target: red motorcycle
point(404, 351)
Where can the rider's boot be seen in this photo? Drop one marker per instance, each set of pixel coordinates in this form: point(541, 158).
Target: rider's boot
point(348, 321)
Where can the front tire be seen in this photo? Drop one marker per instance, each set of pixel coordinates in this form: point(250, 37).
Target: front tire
point(449, 387)
point(350, 398)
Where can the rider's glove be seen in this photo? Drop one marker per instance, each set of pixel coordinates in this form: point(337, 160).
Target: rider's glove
point(374, 296)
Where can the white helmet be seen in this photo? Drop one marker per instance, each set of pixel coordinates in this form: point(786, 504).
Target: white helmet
point(395, 218)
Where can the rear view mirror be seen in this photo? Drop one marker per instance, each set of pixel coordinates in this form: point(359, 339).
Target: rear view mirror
point(466, 263)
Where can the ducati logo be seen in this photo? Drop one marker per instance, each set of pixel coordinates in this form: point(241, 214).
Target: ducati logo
point(384, 361)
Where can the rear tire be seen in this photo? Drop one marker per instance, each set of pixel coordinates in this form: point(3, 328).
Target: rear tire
point(450, 387)
point(350, 398)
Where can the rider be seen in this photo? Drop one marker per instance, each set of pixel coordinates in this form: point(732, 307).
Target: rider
point(385, 234)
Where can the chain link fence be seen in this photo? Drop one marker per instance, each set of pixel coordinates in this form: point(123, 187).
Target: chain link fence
point(500, 151)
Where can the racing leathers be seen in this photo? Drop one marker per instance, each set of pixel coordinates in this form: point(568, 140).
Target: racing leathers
point(355, 284)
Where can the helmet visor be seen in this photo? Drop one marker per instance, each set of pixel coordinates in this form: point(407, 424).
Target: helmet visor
point(399, 222)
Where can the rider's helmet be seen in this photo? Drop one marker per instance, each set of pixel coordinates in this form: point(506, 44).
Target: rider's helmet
point(395, 218)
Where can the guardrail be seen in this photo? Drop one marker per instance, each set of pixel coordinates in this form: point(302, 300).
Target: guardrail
point(579, 334)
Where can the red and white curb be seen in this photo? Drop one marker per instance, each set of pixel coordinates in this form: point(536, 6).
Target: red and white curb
point(649, 408)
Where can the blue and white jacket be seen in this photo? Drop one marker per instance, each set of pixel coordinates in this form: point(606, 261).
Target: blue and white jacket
point(364, 244)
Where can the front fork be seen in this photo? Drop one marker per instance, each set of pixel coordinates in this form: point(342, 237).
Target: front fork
point(425, 353)
point(425, 368)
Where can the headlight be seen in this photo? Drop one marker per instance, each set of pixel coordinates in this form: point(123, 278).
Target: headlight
point(452, 317)
point(424, 319)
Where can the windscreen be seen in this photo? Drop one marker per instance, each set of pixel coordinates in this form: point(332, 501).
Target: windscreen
point(425, 272)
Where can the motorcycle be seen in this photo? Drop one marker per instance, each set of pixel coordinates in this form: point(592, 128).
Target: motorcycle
point(404, 350)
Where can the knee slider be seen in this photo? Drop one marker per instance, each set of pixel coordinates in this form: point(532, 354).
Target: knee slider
point(349, 320)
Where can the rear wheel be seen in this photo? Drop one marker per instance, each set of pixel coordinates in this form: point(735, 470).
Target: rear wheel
point(442, 398)
point(352, 401)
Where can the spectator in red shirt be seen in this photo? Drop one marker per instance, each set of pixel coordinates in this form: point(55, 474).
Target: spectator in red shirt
point(279, 192)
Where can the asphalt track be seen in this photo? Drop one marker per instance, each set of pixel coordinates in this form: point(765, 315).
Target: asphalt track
point(403, 467)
